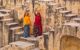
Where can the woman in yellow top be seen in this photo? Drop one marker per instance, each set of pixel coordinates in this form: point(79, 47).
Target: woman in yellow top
point(26, 23)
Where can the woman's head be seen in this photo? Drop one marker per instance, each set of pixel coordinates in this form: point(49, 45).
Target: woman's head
point(37, 11)
point(27, 13)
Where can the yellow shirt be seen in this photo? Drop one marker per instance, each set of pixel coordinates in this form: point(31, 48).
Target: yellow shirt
point(26, 20)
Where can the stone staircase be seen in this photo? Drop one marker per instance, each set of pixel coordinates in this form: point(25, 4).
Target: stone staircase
point(32, 43)
point(10, 27)
point(14, 29)
point(14, 33)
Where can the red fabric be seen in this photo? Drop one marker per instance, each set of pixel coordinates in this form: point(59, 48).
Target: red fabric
point(38, 23)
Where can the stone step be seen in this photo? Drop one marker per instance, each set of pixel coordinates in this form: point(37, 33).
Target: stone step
point(65, 11)
point(19, 33)
point(5, 10)
point(73, 24)
point(3, 15)
point(23, 45)
point(58, 8)
point(70, 15)
point(35, 40)
point(9, 19)
point(76, 19)
point(15, 28)
point(30, 39)
point(10, 24)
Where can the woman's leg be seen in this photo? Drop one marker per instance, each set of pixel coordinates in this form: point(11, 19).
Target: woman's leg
point(36, 31)
point(39, 30)
point(26, 31)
